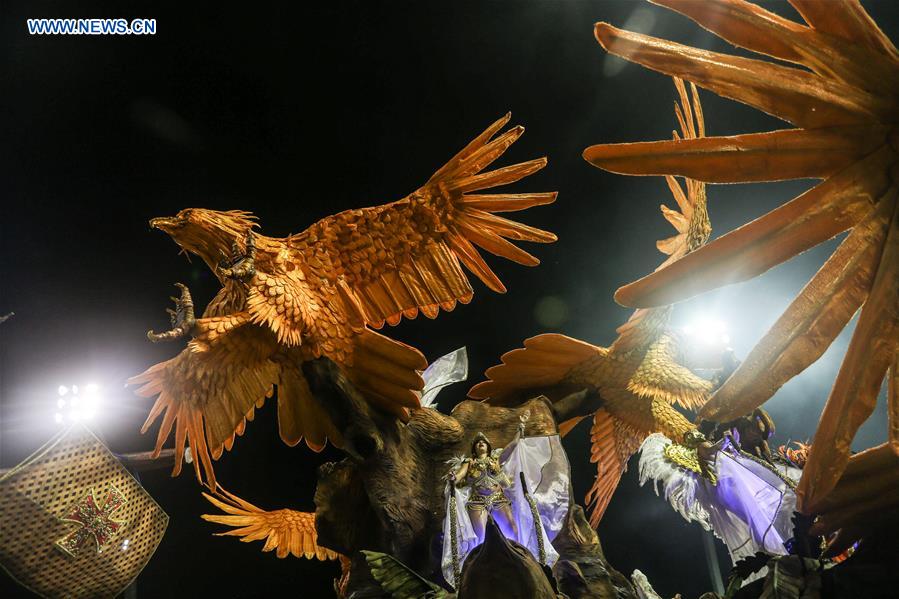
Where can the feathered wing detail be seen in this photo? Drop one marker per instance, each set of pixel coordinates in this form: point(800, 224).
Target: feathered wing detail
point(661, 375)
point(544, 360)
point(284, 304)
point(612, 444)
point(405, 257)
point(300, 416)
point(287, 532)
point(209, 390)
point(618, 428)
point(286, 301)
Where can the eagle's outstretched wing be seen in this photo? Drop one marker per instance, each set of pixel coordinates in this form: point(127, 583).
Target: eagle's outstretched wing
point(405, 257)
point(209, 390)
point(287, 532)
point(843, 105)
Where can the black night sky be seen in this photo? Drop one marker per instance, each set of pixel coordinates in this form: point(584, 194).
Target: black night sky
point(294, 114)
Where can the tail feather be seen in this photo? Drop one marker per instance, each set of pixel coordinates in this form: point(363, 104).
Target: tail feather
point(300, 416)
point(612, 444)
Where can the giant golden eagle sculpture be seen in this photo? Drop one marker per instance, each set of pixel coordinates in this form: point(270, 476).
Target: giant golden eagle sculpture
point(842, 100)
point(320, 293)
point(641, 374)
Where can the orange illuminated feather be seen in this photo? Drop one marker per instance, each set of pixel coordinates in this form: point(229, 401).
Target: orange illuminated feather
point(286, 532)
point(612, 444)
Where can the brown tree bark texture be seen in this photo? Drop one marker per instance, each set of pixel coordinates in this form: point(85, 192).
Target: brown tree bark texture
point(388, 495)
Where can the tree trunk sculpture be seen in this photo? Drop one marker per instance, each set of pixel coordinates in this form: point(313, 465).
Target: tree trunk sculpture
point(387, 495)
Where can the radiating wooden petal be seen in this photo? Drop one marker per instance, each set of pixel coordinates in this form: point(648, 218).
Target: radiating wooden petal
point(773, 156)
point(846, 19)
point(815, 216)
point(744, 24)
point(871, 352)
point(749, 26)
point(811, 323)
point(866, 471)
point(869, 511)
point(867, 491)
point(799, 97)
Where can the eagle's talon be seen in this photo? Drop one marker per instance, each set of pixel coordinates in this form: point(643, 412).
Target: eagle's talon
point(182, 317)
point(240, 266)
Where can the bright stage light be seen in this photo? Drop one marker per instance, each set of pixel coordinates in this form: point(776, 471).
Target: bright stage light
point(707, 343)
point(708, 331)
point(75, 406)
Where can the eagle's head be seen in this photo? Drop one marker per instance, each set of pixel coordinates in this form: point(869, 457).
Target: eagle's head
point(209, 234)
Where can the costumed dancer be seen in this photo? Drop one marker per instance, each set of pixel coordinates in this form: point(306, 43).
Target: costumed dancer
point(525, 487)
point(747, 497)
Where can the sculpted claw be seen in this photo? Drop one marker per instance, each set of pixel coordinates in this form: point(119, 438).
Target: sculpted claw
point(182, 317)
point(240, 266)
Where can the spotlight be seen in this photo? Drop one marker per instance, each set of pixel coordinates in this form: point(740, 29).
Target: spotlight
point(708, 331)
point(707, 343)
point(75, 406)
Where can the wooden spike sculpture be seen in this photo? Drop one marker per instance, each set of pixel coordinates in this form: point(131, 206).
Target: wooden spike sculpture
point(843, 105)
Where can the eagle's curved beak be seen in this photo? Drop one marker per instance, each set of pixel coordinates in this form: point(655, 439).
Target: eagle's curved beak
point(164, 223)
